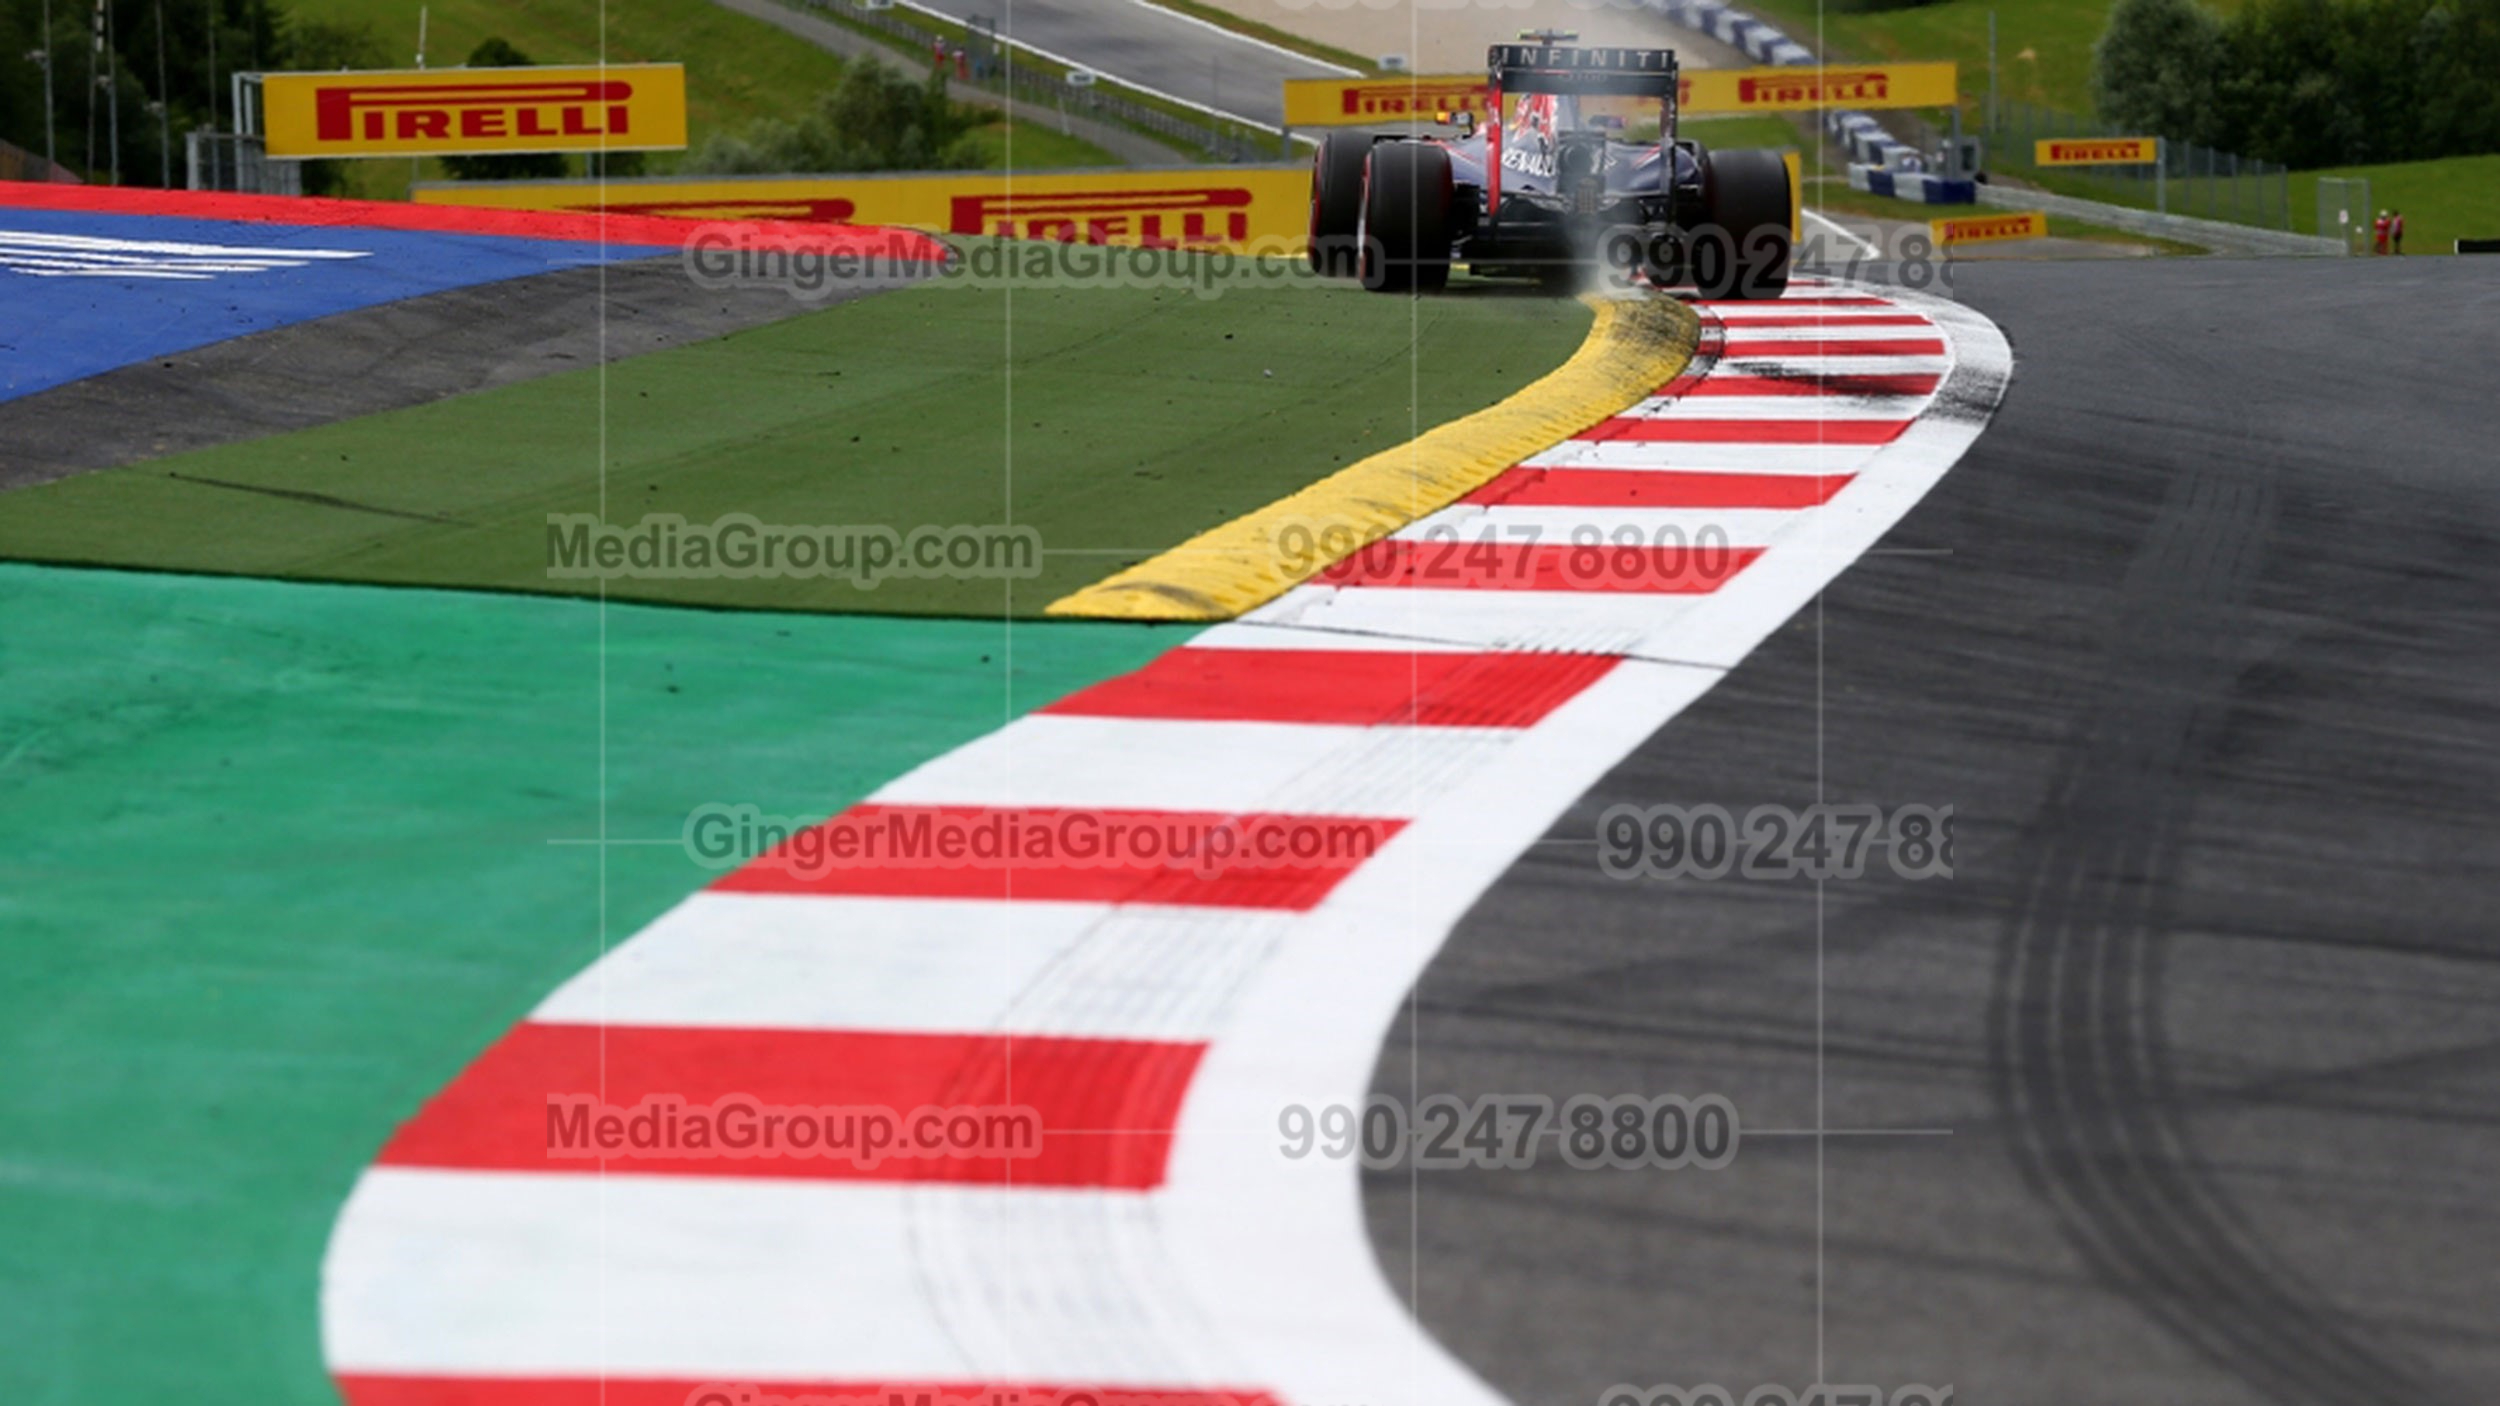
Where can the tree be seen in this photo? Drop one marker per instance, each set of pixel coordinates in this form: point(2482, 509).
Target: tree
point(511, 166)
point(875, 119)
point(313, 45)
point(2158, 69)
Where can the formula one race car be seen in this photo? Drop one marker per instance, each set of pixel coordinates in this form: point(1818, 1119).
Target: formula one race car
point(1550, 198)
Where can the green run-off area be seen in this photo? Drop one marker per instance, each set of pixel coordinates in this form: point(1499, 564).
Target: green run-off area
point(277, 860)
point(1108, 422)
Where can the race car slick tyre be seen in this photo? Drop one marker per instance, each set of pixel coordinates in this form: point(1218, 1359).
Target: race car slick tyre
point(1406, 218)
point(1742, 250)
point(1337, 203)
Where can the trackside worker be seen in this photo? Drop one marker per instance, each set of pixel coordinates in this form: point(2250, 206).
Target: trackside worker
point(2379, 229)
point(2396, 231)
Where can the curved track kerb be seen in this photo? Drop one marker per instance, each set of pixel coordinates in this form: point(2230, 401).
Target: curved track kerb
point(1402, 736)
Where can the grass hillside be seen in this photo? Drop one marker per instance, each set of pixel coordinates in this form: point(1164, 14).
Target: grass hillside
point(1113, 421)
point(2443, 201)
point(737, 69)
point(2044, 47)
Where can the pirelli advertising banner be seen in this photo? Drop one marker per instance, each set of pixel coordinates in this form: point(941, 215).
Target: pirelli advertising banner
point(1985, 229)
point(1246, 209)
point(1360, 102)
point(474, 111)
point(1711, 92)
point(2098, 151)
point(1705, 92)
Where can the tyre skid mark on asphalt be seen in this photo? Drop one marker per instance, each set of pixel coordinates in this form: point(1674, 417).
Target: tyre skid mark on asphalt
point(1157, 1013)
point(2078, 1046)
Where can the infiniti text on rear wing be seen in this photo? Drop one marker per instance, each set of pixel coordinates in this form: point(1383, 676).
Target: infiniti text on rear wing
point(1580, 72)
point(1569, 68)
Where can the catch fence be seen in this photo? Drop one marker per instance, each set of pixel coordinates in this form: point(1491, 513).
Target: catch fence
point(2193, 180)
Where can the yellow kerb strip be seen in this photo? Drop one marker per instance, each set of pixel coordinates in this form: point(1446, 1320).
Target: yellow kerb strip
point(1638, 344)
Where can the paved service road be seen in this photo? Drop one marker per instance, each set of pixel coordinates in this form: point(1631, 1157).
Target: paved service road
point(1131, 147)
point(1153, 48)
point(2182, 1088)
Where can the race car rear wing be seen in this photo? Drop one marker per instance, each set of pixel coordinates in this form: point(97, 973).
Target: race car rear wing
point(1581, 72)
point(1568, 68)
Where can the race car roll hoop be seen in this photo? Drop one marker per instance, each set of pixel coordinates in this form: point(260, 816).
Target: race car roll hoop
point(1558, 200)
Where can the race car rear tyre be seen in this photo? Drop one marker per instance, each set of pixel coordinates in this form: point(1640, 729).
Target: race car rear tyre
point(1406, 218)
point(1742, 250)
point(1337, 203)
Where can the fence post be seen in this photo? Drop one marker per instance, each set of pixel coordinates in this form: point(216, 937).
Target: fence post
point(2161, 175)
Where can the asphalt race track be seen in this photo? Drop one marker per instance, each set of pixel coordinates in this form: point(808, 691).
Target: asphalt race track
point(2181, 1088)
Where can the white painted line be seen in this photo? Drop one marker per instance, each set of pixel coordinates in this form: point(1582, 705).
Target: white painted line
point(1592, 622)
point(1129, 83)
point(1333, 70)
point(102, 246)
point(748, 1279)
point(1841, 330)
point(1736, 315)
point(1249, 634)
point(106, 273)
point(42, 254)
point(1792, 408)
point(786, 962)
point(1802, 366)
point(1159, 764)
point(1703, 458)
point(1865, 246)
point(1599, 528)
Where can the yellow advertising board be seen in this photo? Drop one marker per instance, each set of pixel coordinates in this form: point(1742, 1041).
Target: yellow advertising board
point(1713, 92)
point(1360, 102)
point(1982, 229)
point(475, 111)
point(1705, 92)
point(1796, 196)
point(2097, 151)
point(1264, 209)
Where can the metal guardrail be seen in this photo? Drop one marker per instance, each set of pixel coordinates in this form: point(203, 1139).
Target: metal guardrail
point(1219, 140)
point(2218, 235)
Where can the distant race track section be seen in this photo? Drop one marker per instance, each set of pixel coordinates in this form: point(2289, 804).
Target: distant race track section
point(92, 279)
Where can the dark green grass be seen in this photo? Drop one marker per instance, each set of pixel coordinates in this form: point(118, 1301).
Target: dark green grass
point(1112, 422)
